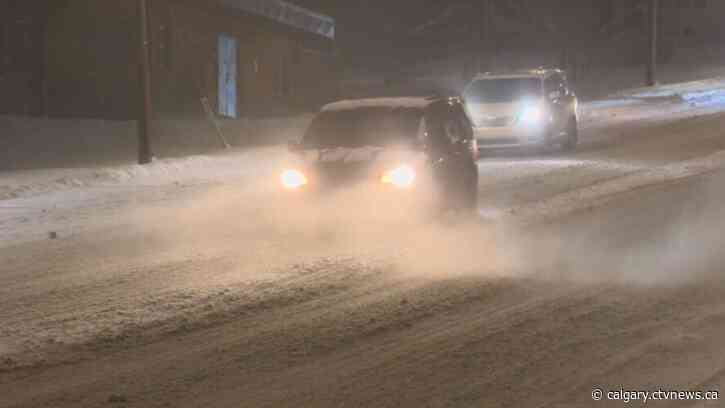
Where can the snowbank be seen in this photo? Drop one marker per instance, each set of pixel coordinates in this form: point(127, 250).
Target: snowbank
point(33, 143)
point(703, 93)
point(193, 169)
point(39, 156)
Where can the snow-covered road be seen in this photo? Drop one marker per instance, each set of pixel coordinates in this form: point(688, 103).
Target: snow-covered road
point(190, 283)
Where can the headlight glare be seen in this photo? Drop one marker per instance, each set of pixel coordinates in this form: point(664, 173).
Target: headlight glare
point(532, 115)
point(293, 179)
point(402, 177)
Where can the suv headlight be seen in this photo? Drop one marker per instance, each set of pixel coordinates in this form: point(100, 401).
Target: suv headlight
point(532, 115)
point(293, 179)
point(402, 177)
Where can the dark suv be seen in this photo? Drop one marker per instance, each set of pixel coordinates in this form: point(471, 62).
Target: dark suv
point(416, 146)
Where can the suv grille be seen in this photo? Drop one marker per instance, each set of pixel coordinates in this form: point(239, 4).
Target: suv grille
point(497, 121)
point(333, 174)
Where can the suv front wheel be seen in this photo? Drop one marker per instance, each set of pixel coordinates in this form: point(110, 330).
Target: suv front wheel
point(467, 191)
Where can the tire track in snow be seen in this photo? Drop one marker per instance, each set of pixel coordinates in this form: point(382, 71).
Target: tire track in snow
point(600, 193)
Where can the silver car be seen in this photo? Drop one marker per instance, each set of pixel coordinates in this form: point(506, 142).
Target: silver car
point(525, 108)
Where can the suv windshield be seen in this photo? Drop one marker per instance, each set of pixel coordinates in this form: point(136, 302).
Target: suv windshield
point(502, 90)
point(363, 127)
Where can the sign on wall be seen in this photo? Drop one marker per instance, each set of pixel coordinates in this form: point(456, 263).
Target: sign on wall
point(228, 76)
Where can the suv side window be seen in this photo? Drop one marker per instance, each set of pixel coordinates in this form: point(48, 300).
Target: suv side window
point(563, 84)
point(423, 136)
point(555, 83)
point(453, 129)
point(433, 132)
point(443, 129)
point(460, 115)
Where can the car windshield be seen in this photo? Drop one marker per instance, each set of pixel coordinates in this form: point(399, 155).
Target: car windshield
point(363, 127)
point(502, 90)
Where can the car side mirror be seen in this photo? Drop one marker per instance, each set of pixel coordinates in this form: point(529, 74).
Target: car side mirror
point(294, 146)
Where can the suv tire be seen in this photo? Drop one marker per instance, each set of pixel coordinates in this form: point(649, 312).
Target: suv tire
point(470, 200)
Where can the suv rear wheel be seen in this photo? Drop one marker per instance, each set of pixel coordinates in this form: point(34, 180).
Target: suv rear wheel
point(459, 186)
point(471, 188)
point(466, 196)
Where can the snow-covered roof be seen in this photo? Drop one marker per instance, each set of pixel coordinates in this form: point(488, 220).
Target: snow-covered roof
point(391, 103)
point(289, 14)
point(529, 73)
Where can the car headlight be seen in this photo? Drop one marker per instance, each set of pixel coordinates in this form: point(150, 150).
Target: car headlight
point(293, 179)
point(532, 115)
point(402, 177)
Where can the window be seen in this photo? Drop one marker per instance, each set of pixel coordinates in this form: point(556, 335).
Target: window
point(555, 83)
point(422, 136)
point(454, 130)
point(364, 127)
point(464, 123)
point(502, 90)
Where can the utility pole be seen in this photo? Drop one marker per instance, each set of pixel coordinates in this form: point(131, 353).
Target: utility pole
point(653, 31)
point(144, 103)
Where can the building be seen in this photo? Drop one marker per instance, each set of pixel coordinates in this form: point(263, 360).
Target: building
point(79, 58)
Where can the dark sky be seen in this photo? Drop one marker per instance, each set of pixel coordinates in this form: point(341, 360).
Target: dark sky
point(379, 32)
point(374, 28)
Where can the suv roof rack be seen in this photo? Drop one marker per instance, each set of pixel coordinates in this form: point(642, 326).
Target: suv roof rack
point(540, 71)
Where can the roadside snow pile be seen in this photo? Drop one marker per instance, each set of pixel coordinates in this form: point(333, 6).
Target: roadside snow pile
point(39, 143)
point(156, 171)
point(600, 193)
point(706, 93)
point(188, 170)
point(694, 98)
point(39, 156)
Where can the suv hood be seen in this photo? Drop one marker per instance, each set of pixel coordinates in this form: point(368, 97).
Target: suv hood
point(360, 155)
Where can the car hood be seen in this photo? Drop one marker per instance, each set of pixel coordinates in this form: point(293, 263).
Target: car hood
point(372, 155)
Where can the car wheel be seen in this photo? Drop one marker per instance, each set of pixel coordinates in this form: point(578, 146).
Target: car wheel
point(458, 185)
point(465, 195)
point(572, 136)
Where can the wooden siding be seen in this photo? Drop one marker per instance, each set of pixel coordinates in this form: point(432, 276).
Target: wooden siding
point(92, 55)
point(92, 60)
point(21, 56)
